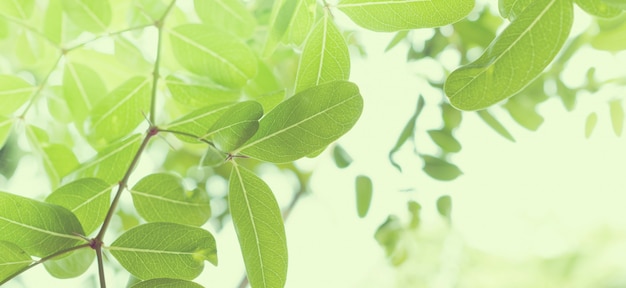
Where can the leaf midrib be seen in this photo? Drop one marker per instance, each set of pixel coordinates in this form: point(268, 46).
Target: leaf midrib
point(41, 230)
point(174, 201)
point(375, 3)
point(122, 102)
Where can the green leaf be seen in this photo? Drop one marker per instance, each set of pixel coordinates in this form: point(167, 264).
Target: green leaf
point(617, 116)
point(213, 157)
point(166, 283)
point(590, 124)
point(306, 122)
point(280, 18)
point(451, 117)
point(523, 112)
point(111, 163)
point(529, 44)
point(598, 8)
point(164, 250)
point(14, 92)
point(31, 223)
point(5, 129)
point(415, 209)
point(70, 265)
point(93, 16)
point(209, 52)
point(363, 195)
point(407, 132)
point(259, 227)
point(394, 15)
point(12, 259)
point(21, 9)
point(58, 160)
point(445, 140)
point(53, 21)
point(567, 95)
point(616, 3)
point(162, 198)
point(342, 158)
point(198, 95)
point(265, 88)
point(444, 206)
point(495, 124)
point(440, 169)
point(82, 89)
point(611, 38)
point(389, 235)
point(87, 198)
point(196, 122)
point(120, 112)
point(235, 126)
point(511, 9)
point(325, 57)
point(397, 39)
point(301, 22)
point(230, 16)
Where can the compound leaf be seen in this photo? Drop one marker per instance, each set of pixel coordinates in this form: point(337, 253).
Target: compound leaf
point(301, 22)
point(445, 140)
point(70, 265)
point(341, 157)
point(282, 13)
point(590, 124)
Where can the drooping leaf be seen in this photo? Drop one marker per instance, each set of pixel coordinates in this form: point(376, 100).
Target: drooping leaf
point(170, 250)
point(511, 9)
point(235, 126)
point(14, 92)
point(228, 15)
point(440, 169)
point(407, 132)
point(451, 117)
point(617, 116)
point(111, 162)
point(325, 56)
point(21, 9)
point(590, 124)
point(166, 283)
point(397, 39)
point(87, 198)
point(364, 192)
point(196, 122)
point(209, 52)
point(301, 22)
point(12, 259)
point(92, 16)
point(445, 140)
point(495, 124)
point(529, 44)
point(5, 129)
point(198, 95)
point(31, 223)
point(598, 8)
point(280, 18)
point(162, 198)
point(70, 265)
point(306, 122)
point(341, 157)
point(394, 15)
point(444, 206)
point(259, 227)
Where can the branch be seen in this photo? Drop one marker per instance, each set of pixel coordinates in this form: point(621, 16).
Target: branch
point(155, 73)
point(33, 98)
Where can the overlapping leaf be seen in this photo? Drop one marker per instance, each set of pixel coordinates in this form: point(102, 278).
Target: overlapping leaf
point(58, 160)
point(445, 140)
point(231, 16)
point(301, 22)
point(71, 265)
point(92, 16)
point(236, 126)
point(512, 8)
point(14, 92)
point(197, 95)
point(197, 122)
point(282, 13)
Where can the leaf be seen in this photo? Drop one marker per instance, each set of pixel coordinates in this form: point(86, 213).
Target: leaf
point(166, 283)
point(93, 16)
point(397, 39)
point(444, 206)
point(617, 116)
point(31, 223)
point(388, 235)
point(196, 122)
point(451, 117)
point(306, 122)
point(58, 160)
point(198, 95)
point(495, 124)
point(53, 21)
point(230, 16)
point(440, 169)
point(12, 259)
point(301, 22)
point(598, 8)
point(235, 126)
point(70, 265)
point(82, 89)
point(529, 44)
point(259, 227)
point(394, 15)
point(21, 9)
point(265, 88)
point(407, 132)
point(523, 112)
point(511, 9)
point(213, 157)
point(590, 124)
point(162, 198)
point(415, 209)
point(14, 92)
point(5, 129)
point(280, 18)
point(209, 52)
point(120, 112)
point(567, 95)
point(616, 3)
point(363, 195)
point(445, 140)
point(87, 198)
point(164, 250)
point(341, 157)
point(325, 57)
point(611, 38)
point(111, 162)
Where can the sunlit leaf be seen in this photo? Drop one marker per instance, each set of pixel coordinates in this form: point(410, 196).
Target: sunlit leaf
point(229, 15)
point(301, 22)
point(440, 169)
point(235, 126)
point(111, 162)
point(265, 88)
point(306, 122)
point(197, 122)
point(407, 132)
point(14, 92)
point(53, 21)
point(529, 44)
point(394, 15)
point(30, 223)
point(512, 8)
point(198, 95)
point(209, 52)
point(87, 198)
point(364, 192)
point(12, 259)
point(617, 116)
point(495, 124)
point(325, 57)
point(21, 9)
point(590, 124)
point(598, 8)
point(170, 250)
point(93, 16)
point(341, 157)
point(445, 140)
point(5, 129)
point(259, 227)
point(444, 206)
point(166, 283)
point(162, 198)
point(280, 18)
point(70, 265)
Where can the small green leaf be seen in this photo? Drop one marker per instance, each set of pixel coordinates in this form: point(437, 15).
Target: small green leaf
point(14, 92)
point(393, 15)
point(512, 8)
point(445, 140)
point(235, 126)
point(82, 89)
point(111, 162)
point(567, 95)
point(495, 124)
point(228, 15)
point(12, 259)
point(523, 112)
point(196, 122)
point(93, 16)
point(440, 169)
point(21, 9)
point(529, 44)
point(397, 39)
point(444, 206)
point(592, 120)
point(415, 209)
point(70, 265)
point(452, 117)
point(5, 129)
point(342, 158)
point(87, 198)
point(280, 18)
point(617, 116)
point(31, 223)
point(162, 198)
point(198, 95)
point(325, 56)
point(166, 283)
point(301, 22)
point(207, 51)
point(58, 160)
point(407, 132)
point(259, 227)
point(157, 250)
point(363, 195)
point(598, 8)
point(306, 122)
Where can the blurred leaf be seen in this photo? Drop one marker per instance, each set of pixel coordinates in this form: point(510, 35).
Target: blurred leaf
point(445, 140)
point(162, 198)
point(444, 206)
point(616, 3)
point(389, 16)
point(265, 88)
point(407, 132)
point(70, 265)
point(230, 16)
point(132, 56)
point(301, 22)
point(58, 160)
point(197, 95)
point(592, 120)
point(213, 157)
point(280, 18)
point(111, 162)
point(53, 21)
point(166, 283)
point(567, 95)
point(196, 122)
point(523, 112)
point(12, 259)
point(388, 235)
point(495, 124)
point(341, 157)
point(363, 195)
point(5, 129)
point(93, 16)
point(611, 38)
point(157, 250)
point(598, 8)
point(401, 35)
point(235, 126)
point(82, 89)
point(512, 8)
point(21, 9)
point(451, 117)
point(259, 227)
point(440, 169)
point(14, 92)
point(617, 116)
point(479, 32)
point(415, 209)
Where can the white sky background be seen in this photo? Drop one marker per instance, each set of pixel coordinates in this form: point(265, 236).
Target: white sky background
point(537, 197)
